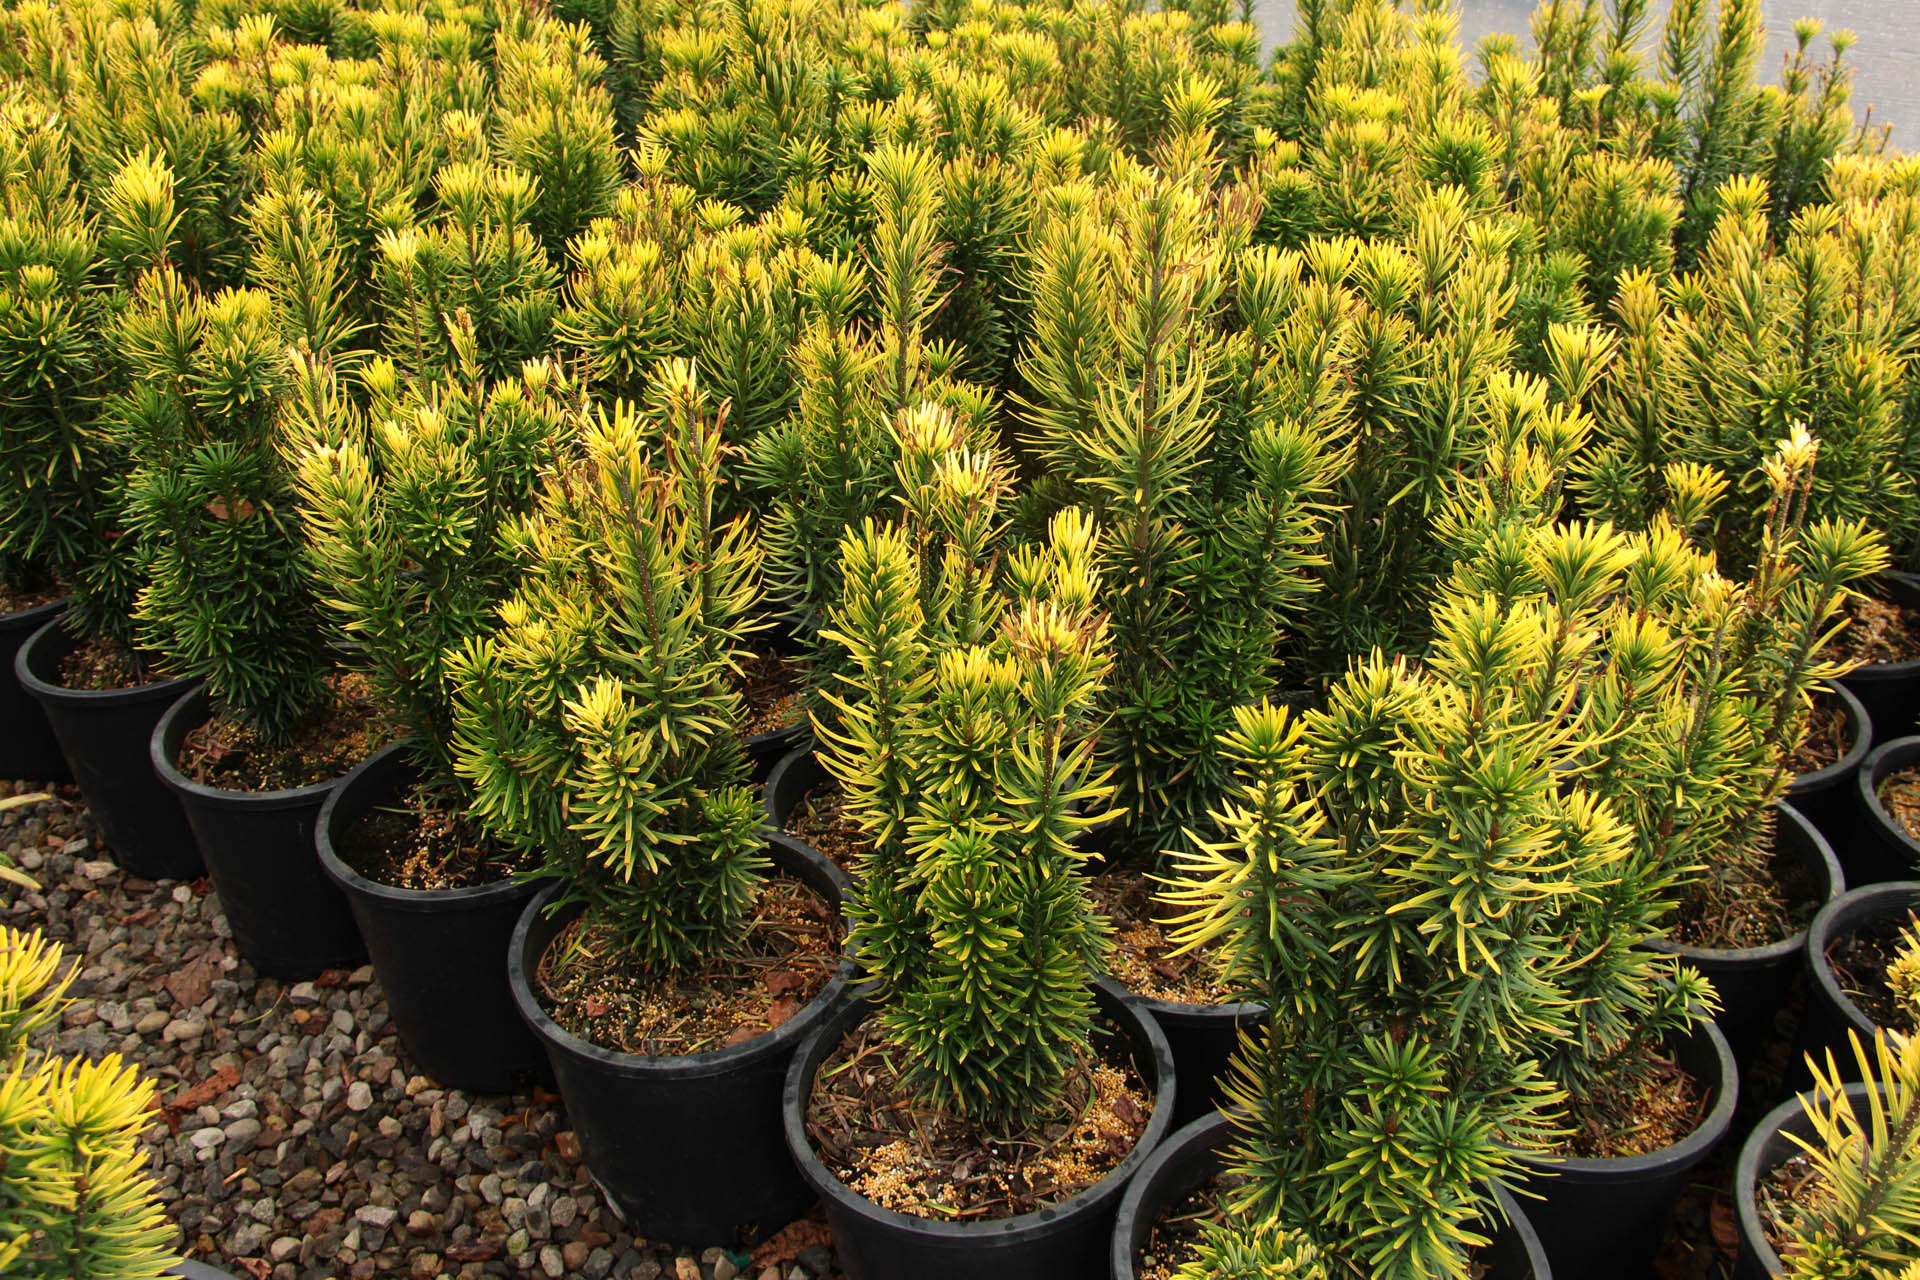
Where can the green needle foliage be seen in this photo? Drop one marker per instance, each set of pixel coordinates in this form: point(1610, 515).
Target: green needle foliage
point(1231, 1251)
point(210, 494)
point(1202, 437)
point(1722, 363)
point(598, 724)
point(1859, 1215)
point(54, 465)
point(408, 507)
point(75, 1197)
point(966, 708)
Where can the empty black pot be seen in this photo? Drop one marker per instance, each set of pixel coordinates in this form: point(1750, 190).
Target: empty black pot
point(1185, 1161)
point(1603, 1218)
point(288, 919)
point(1065, 1239)
point(1881, 847)
point(1770, 1145)
point(1826, 796)
point(28, 748)
point(1890, 691)
point(1753, 981)
point(1830, 1013)
point(437, 953)
point(104, 735)
point(687, 1148)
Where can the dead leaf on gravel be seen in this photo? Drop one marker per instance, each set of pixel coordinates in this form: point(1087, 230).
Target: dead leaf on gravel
point(784, 1245)
point(191, 983)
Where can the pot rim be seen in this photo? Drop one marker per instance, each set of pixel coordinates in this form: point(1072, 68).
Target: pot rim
point(708, 1062)
point(1823, 857)
point(30, 618)
point(169, 687)
point(394, 896)
point(1906, 667)
point(1869, 786)
point(792, 761)
point(1705, 1135)
point(1112, 1186)
point(178, 721)
point(1821, 933)
point(1120, 1259)
point(1859, 724)
point(1235, 1010)
point(1746, 1170)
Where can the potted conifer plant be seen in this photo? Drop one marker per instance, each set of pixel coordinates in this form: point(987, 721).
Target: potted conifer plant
point(1189, 391)
point(1416, 870)
point(678, 954)
point(1756, 661)
point(99, 689)
point(49, 374)
point(408, 510)
point(1825, 1187)
point(253, 753)
point(1008, 1097)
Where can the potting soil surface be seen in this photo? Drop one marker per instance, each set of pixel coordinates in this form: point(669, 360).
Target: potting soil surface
point(1825, 740)
point(224, 753)
point(822, 821)
point(770, 685)
point(786, 957)
point(1900, 797)
point(419, 843)
point(97, 665)
point(1143, 959)
point(872, 1131)
point(1632, 1113)
point(1859, 960)
point(291, 1139)
point(1881, 631)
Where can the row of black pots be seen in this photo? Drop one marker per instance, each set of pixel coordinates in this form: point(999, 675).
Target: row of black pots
point(1890, 691)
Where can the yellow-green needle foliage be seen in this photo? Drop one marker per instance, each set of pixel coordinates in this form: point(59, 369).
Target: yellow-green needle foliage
point(1858, 1215)
point(966, 706)
point(598, 724)
point(75, 1199)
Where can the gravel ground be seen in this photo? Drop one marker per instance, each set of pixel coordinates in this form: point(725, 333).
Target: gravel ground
point(291, 1140)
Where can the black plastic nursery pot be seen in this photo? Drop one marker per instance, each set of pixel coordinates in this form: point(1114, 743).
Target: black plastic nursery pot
point(1881, 848)
point(104, 735)
point(1752, 982)
point(767, 750)
point(437, 953)
point(1202, 1039)
point(1185, 1161)
point(288, 919)
point(1826, 796)
point(1770, 1145)
point(1062, 1240)
point(687, 1149)
point(1830, 1012)
point(1890, 691)
point(188, 1269)
point(1603, 1218)
point(788, 781)
point(28, 748)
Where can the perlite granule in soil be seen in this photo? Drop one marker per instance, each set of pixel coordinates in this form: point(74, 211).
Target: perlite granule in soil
point(294, 1142)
